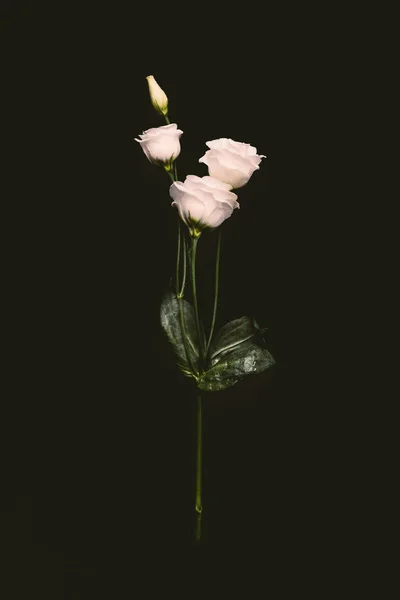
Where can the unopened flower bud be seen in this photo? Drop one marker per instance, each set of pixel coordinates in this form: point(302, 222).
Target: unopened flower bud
point(158, 97)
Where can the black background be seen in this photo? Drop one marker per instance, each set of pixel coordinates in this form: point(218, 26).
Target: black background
point(99, 427)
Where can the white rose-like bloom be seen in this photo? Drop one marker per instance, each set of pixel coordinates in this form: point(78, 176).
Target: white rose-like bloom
point(157, 96)
point(161, 145)
point(203, 202)
point(231, 162)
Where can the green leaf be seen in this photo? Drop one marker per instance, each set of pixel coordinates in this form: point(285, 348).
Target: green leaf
point(170, 322)
point(231, 335)
point(237, 350)
point(243, 359)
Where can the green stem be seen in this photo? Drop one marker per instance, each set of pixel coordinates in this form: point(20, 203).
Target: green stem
point(181, 293)
point(179, 296)
point(170, 174)
point(178, 256)
point(183, 332)
point(216, 290)
point(198, 505)
point(196, 308)
point(174, 174)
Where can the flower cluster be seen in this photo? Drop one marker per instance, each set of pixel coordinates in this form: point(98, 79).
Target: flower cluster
point(202, 202)
point(213, 362)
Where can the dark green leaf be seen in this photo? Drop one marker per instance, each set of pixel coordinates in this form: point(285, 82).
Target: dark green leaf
point(240, 360)
point(170, 322)
point(229, 336)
